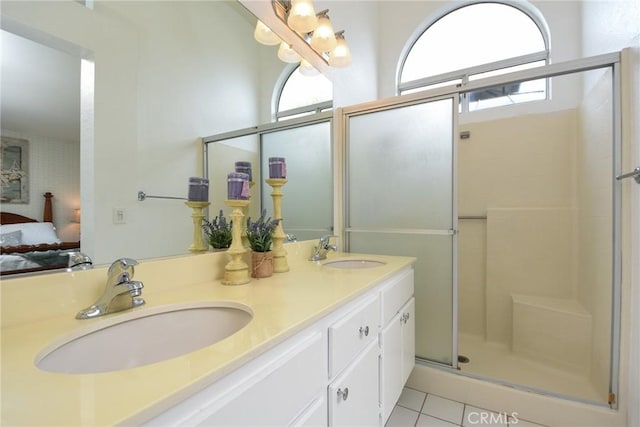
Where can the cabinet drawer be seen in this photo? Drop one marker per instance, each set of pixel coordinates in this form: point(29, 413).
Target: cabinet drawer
point(396, 294)
point(348, 336)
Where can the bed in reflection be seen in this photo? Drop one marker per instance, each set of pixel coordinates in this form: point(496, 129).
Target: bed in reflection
point(28, 245)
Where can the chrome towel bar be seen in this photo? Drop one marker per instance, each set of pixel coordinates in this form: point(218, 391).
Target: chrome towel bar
point(634, 173)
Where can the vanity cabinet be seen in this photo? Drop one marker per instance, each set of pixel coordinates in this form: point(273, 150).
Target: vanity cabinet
point(338, 371)
point(397, 340)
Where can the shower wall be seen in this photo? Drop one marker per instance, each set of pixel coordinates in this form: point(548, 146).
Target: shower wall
point(520, 172)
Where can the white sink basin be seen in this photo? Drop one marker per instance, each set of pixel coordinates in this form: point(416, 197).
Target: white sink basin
point(143, 337)
point(353, 263)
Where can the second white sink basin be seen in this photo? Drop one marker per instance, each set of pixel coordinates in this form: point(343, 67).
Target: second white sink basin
point(353, 263)
point(143, 337)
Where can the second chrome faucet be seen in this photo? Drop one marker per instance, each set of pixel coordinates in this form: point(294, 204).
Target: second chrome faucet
point(120, 293)
point(321, 249)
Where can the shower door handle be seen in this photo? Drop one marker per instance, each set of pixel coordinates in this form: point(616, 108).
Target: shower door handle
point(634, 173)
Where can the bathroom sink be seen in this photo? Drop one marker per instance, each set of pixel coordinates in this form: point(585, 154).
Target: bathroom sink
point(353, 263)
point(143, 337)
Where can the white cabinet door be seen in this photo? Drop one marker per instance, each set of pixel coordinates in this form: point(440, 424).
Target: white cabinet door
point(391, 365)
point(408, 313)
point(353, 396)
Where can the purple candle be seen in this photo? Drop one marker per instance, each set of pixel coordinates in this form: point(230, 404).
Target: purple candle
point(238, 186)
point(277, 167)
point(244, 167)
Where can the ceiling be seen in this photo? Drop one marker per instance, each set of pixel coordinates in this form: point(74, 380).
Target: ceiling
point(39, 89)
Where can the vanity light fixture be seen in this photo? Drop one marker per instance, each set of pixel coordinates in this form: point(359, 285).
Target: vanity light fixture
point(306, 69)
point(287, 54)
point(302, 16)
point(315, 29)
point(323, 39)
point(265, 36)
point(340, 56)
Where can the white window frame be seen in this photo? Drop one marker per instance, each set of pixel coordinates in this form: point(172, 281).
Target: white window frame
point(464, 74)
point(294, 112)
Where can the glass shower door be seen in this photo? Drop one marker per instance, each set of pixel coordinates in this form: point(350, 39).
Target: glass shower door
point(400, 200)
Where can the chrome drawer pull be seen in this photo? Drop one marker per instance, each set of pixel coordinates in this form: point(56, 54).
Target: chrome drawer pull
point(343, 393)
point(364, 331)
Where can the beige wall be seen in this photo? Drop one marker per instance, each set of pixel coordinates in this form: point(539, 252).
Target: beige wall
point(523, 162)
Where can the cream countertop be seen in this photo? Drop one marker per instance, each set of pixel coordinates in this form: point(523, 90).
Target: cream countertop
point(39, 310)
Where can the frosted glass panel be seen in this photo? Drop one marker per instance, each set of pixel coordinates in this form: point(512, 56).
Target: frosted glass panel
point(222, 157)
point(400, 202)
point(403, 158)
point(433, 285)
point(307, 207)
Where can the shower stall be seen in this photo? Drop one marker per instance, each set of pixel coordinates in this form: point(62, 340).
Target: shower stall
point(515, 226)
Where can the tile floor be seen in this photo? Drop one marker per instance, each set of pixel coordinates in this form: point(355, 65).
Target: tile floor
point(419, 409)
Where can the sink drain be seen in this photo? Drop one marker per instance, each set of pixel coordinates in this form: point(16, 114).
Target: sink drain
point(463, 359)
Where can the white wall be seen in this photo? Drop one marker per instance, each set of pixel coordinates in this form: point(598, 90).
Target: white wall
point(610, 26)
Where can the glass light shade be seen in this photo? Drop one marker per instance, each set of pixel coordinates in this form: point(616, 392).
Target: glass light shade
point(264, 35)
point(341, 55)
point(306, 69)
point(302, 16)
point(287, 54)
point(323, 38)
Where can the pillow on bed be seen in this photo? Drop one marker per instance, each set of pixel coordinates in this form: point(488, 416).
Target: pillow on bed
point(13, 238)
point(34, 233)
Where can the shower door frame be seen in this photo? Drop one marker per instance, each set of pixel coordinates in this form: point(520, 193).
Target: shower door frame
point(609, 60)
point(343, 205)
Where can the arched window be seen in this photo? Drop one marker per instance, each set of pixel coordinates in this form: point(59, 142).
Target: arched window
point(474, 41)
point(300, 94)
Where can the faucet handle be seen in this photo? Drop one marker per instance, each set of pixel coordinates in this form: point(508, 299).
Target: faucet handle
point(122, 266)
point(324, 240)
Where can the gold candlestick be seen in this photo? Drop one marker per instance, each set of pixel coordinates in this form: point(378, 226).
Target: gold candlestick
point(236, 272)
point(279, 254)
point(245, 211)
point(198, 244)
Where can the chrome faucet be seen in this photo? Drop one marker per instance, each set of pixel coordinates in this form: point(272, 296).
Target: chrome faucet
point(120, 293)
point(320, 251)
point(79, 261)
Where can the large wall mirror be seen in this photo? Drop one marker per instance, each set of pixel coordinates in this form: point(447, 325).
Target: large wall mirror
point(159, 76)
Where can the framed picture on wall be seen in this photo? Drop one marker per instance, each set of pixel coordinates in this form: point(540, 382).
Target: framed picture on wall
point(14, 159)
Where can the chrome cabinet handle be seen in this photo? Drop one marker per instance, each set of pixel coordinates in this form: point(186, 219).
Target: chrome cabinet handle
point(364, 331)
point(343, 393)
point(405, 317)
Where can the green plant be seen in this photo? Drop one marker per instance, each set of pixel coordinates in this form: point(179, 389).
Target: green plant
point(260, 233)
point(218, 232)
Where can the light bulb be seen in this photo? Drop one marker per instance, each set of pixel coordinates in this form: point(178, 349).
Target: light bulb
point(340, 56)
point(287, 54)
point(264, 35)
point(306, 69)
point(302, 16)
point(323, 38)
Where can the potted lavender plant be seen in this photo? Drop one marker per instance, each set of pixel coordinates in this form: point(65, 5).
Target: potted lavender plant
point(218, 232)
point(260, 237)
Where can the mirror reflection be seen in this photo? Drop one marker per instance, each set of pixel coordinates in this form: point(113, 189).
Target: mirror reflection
point(307, 204)
point(156, 78)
